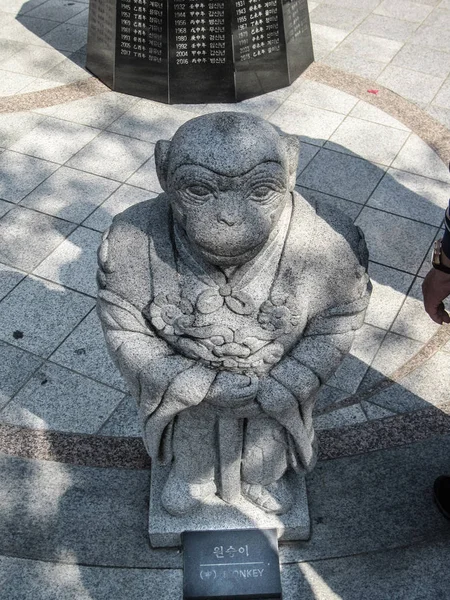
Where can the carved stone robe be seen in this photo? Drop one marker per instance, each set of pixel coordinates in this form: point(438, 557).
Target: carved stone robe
point(288, 317)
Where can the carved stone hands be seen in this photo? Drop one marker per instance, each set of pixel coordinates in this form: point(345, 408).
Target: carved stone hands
point(232, 390)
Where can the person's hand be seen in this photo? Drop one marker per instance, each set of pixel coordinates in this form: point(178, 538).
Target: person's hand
point(435, 288)
point(232, 390)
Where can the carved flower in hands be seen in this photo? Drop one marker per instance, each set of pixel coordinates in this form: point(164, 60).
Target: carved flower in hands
point(279, 315)
point(169, 314)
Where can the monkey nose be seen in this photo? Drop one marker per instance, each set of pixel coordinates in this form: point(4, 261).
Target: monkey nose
point(229, 220)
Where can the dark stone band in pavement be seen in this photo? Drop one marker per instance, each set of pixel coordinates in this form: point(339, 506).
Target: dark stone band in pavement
point(129, 452)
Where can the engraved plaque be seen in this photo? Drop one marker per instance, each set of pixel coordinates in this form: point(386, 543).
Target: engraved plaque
point(197, 51)
point(240, 564)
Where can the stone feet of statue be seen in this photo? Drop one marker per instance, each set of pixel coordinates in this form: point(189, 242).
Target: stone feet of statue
point(179, 497)
point(275, 498)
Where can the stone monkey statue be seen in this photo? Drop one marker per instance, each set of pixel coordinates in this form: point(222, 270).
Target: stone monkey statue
point(226, 302)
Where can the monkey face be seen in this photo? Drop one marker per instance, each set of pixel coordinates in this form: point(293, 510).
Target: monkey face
point(228, 219)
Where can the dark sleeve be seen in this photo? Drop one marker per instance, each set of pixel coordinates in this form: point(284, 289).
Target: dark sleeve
point(446, 238)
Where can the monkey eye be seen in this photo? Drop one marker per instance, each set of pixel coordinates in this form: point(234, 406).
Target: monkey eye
point(198, 190)
point(197, 193)
point(262, 192)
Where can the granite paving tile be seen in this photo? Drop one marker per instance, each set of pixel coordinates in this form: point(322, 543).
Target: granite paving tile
point(57, 10)
point(124, 422)
point(67, 37)
point(342, 175)
point(403, 9)
point(70, 70)
point(70, 194)
point(323, 96)
point(146, 177)
point(20, 174)
point(395, 241)
point(443, 96)
point(38, 315)
point(38, 84)
point(434, 36)
point(371, 502)
point(19, 6)
point(262, 106)
point(122, 199)
point(337, 16)
point(112, 155)
point(9, 278)
point(87, 515)
point(354, 366)
point(150, 121)
point(37, 26)
point(427, 386)
point(343, 417)
point(426, 265)
point(417, 157)
point(14, 30)
point(394, 352)
point(423, 59)
point(369, 47)
point(418, 571)
point(5, 206)
point(349, 208)
point(12, 83)
point(81, 18)
point(418, 87)
point(74, 262)
point(307, 153)
point(16, 366)
point(19, 226)
point(55, 140)
point(440, 114)
point(368, 112)
point(47, 581)
point(312, 124)
point(327, 396)
point(97, 111)
point(355, 64)
point(33, 60)
point(9, 47)
point(325, 39)
point(389, 290)
point(439, 18)
point(16, 125)
point(59, 399)
point(85, 351)
point(387, 27)
point(366, 5)
point(412, 320)
point(371, 141)
point(410, 195)
point(374, 412)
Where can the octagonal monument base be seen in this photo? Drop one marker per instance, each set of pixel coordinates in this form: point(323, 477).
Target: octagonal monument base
point(165, 530)
point(198, 51)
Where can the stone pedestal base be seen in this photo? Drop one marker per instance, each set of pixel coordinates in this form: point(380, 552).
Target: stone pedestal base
point(165, 530)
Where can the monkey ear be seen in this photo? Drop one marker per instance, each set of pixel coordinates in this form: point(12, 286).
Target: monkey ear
point(162, 161)
point(292, 145)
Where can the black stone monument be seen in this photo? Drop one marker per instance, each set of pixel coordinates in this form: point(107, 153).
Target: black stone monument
point(198, 51)
point(239, 564)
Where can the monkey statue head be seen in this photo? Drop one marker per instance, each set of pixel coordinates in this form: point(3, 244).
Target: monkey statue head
point(228, 177)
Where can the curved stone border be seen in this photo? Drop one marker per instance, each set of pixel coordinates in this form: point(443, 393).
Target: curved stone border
point(52, 96)
point(129, 453)
point(102, 451)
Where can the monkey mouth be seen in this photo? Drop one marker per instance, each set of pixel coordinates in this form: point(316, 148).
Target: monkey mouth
point(230, 255)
